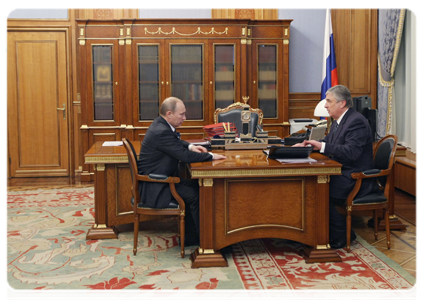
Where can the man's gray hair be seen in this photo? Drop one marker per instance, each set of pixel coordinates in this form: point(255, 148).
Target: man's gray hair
point(169, 104)
point(340, 93)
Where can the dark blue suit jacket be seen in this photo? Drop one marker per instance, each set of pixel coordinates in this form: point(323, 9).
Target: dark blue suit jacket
point(352, 146)
point(160, 153)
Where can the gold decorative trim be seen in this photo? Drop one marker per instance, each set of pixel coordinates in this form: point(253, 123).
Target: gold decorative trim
point(120, 31)
point(390, 85)
point(349, 208)
point(244, 31)
point(205, 251)
point(323, 247)
point(265, 172)
point(97, 226)
point(84, 127)
point(392, 216)
point(322, 179)
point(82, 42)
point(128, 41)
point(263, 226)
point(398, 41)
point(200, 180)
point(101, 167)
point(128, 31)
point(208, 182)
point(81, 31)
point(243, 41)
point(249, 41)
point(286, 42)
point(121, 42)
point(160, 31)
point(106, 159)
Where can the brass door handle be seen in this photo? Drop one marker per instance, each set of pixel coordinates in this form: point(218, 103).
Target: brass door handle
point(64, 111)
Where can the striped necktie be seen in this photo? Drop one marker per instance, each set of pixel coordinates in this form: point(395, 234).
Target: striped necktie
point(334, 126)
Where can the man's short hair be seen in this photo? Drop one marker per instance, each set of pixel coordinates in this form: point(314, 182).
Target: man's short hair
point(340, 93)
point(169, 104)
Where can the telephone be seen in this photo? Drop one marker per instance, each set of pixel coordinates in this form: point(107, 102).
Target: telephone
point(321, 123)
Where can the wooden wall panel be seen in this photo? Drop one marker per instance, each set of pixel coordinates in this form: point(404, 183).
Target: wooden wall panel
point(254, 14)
point(355, 38)
point(106, 14)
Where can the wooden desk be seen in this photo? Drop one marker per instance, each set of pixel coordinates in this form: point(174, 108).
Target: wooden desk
point(112, 189)
point(243, 197)
point(248, 196)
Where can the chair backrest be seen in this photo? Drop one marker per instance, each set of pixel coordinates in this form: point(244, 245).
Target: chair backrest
point(133, 167)
point(232, 114)
point(384, 155)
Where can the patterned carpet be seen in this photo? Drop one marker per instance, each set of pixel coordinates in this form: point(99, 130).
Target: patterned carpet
point(47, 250)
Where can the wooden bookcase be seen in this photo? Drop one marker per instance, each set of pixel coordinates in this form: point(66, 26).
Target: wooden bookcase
point(129, 66)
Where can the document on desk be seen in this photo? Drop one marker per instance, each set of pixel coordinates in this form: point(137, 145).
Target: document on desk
point(113, 143)
point(296, 160)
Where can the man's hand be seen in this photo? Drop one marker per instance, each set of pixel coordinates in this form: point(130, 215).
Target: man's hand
point(218, 156)
point(316, 145)
point(198, 149)
point(302, 144)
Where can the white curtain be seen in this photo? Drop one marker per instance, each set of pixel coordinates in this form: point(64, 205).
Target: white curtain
point(405, 86)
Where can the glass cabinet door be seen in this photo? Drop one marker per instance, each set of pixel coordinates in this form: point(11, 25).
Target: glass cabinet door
point(224, 75)
point(267, 80)
point(103, 91)
point(149, 82)
point(187, 84)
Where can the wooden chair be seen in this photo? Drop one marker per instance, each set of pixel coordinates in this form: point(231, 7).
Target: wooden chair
point(232, 114)
point(139, 208)
point(384, 156)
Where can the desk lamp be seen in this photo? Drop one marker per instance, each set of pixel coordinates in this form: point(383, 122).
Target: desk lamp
point(321, 111)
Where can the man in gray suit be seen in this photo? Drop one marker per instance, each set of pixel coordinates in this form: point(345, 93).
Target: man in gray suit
point(350, 143)
point(161, 152)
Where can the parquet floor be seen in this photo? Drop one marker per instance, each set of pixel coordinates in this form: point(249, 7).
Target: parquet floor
point(403, 242)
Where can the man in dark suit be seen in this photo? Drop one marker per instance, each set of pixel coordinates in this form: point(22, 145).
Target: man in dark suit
point(350, 143)
point(161, 152)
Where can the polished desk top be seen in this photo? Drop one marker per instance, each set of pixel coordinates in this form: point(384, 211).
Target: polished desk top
point(240, 163)
point(109, 154)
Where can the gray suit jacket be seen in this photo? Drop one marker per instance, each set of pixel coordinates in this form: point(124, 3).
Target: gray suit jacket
point(161, 152)
point(352, 146)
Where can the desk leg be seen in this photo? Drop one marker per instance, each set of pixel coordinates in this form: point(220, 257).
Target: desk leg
point(100, 230)
point(322, 252)
point(206, 256)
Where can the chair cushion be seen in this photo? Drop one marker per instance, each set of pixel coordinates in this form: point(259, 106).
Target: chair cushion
point(371, 198)
point(172, 205)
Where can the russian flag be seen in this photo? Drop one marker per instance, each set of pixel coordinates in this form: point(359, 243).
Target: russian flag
point(329, 73)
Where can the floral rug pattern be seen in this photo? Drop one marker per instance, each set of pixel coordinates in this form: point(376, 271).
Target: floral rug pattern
point(47, 249)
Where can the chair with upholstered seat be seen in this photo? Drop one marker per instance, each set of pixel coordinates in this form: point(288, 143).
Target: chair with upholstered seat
point(232, 114)
point(384, 156)
point(140, 209)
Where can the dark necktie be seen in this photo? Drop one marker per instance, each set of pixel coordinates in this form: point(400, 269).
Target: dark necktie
point(334, 126)
point(178, 134)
